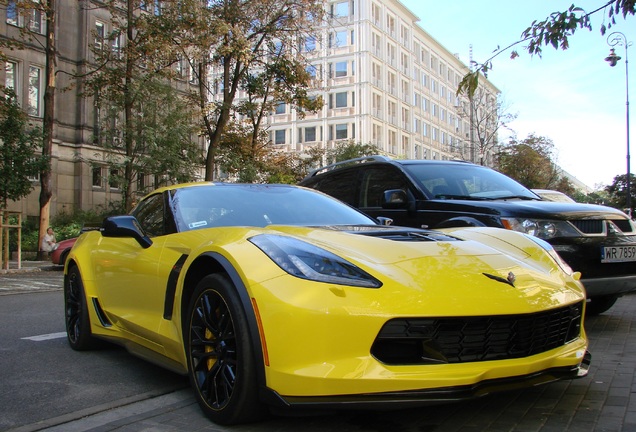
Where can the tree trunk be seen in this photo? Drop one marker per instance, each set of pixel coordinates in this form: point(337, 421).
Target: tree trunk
point(46, 189)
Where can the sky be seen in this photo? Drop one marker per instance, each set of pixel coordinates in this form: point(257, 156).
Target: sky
point(572, 97)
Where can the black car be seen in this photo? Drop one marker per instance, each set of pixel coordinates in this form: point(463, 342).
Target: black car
point(598, 241)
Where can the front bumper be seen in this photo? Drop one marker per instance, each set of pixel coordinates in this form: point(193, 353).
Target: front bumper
point(609, 286)
point(411, 398)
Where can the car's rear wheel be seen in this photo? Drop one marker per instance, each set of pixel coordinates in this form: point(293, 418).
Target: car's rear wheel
point(78, 326)
point(598, 305)
point(221, 362)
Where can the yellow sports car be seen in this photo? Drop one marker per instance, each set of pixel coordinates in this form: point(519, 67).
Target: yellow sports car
point(280, 296)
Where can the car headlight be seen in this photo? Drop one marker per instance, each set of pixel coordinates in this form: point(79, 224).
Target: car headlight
point(545, 229)
point(553, 253)
point(306, 261)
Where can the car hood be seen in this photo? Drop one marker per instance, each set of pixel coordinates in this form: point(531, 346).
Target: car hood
point(528, 209)
point(431, 268)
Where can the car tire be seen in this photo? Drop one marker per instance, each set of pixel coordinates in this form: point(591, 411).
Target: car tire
point(221, 362)
point(598, 305)
point(78, 325)
point(63, 257)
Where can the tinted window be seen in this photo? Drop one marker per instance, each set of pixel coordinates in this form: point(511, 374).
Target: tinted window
point(260, 205)
point(341, 185)
point(150, 215)
point(377, 180)
point(465, 180)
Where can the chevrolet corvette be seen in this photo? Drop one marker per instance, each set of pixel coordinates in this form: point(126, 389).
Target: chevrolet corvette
point(281, 297)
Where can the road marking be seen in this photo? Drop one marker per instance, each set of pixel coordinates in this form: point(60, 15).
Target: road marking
point(46, 337)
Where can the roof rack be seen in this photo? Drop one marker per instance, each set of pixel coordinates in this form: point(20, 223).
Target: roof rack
point(349, 162)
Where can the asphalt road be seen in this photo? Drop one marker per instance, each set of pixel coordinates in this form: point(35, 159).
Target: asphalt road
point(41, 377)
point(44, 385)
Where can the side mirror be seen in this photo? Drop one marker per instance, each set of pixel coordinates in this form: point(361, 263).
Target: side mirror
point(384, 220)
point(394, 198)
point(125, 226)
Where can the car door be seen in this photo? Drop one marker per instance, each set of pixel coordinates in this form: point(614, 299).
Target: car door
point(131, 287)
point(373, 182)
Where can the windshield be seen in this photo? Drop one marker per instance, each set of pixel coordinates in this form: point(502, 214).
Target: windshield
point(466, 181)
point(259, 205)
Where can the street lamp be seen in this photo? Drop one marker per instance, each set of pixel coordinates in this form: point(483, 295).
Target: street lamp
point(619, 39)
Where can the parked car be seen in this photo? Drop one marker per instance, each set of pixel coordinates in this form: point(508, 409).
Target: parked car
point(553, 195)
point(276, 295)
point(598, 241)
point(58, 256)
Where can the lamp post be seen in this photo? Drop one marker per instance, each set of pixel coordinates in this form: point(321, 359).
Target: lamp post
point(619, 39)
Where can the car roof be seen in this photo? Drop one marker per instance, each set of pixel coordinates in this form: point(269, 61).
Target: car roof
point(217, 184)
point(380, 159)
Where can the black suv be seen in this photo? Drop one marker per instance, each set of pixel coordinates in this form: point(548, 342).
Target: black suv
point(598, 241)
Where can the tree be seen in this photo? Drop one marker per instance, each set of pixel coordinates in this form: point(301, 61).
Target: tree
point(350, 150)
point(531, 163)
point(238, 39)
point(28, 15)
point(19, 147)
point(554, 31)
point(485, 116)
point(146, 127)
point(618, 192)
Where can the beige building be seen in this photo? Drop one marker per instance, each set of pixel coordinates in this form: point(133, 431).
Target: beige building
point(385, 81)
point(80, 168)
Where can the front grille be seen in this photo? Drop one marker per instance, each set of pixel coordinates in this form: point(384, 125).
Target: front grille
point(589, 226)
point(471, 339)
point(593, 227)
point(624, 225)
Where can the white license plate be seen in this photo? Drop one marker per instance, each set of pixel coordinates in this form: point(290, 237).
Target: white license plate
point(612, 254)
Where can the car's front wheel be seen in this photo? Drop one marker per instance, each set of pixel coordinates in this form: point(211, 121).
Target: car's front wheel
point(78, 326)
point(221, 362)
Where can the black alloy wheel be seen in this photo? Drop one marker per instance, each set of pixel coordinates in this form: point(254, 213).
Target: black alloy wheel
point(78, 327)
point(220, 355)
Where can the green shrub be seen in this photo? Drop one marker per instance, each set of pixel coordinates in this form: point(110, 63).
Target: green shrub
point(65, 225)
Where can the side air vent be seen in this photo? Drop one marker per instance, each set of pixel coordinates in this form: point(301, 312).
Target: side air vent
point(410, 235)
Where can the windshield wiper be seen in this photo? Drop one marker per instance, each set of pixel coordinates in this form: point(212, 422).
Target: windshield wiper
point(459, 197)
point(521, 197)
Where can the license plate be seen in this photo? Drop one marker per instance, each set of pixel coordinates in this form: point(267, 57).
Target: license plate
point(612, 254)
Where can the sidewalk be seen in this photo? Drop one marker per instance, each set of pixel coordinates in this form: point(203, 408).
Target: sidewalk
point(28, 266)
point(605, 400)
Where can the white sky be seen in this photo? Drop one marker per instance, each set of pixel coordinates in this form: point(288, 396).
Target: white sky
point(572, 97)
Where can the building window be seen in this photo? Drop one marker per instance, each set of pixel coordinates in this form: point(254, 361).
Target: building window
point(310, 134)
point(100, 34)
point(36, 18)
point(312, 71)
point(193, 73)
point(13, 17)
point(341, 131)
point(375, 13)
point(116, 46)
point(11, 75)
point(113, 179)
point(35, 85)
point(141, 182)
point(340, 100)
point(97, 177)
point(180, 68)
point(310, 44)
point(279, 137)
point(341, 69)
point(340, 9)
point(280, 108)
point(338, 39)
